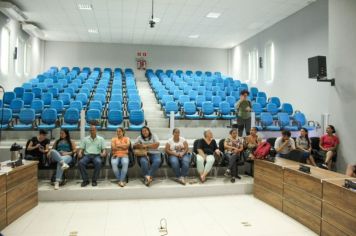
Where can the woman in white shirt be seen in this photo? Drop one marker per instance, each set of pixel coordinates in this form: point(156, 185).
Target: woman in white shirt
point(178, 156)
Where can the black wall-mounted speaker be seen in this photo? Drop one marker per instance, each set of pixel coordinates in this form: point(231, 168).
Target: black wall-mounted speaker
point(317, 67)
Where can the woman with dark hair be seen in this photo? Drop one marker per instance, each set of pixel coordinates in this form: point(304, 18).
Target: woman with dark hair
point(178, 156)
point(120, 150)
point(150, 160)
point(251, 143)
point(233, 146)
point(328, 146)
point(243, 113)
point(303, 144)
point(62, 152)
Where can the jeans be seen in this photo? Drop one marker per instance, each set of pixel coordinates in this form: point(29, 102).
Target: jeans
point(243, 124)
point(208, 165)
point(233, 163)
point(90, 158)
point(120, 173)
point(149, 167)
point(180, 166)
point(56, 156)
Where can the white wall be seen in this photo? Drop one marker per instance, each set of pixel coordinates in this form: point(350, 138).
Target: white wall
point(342, 66)
point(12, 80)
point(122, 55)
point(295, 39)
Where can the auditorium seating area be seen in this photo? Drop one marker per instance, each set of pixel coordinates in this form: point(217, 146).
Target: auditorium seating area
point(56, 98)
point(206, 95)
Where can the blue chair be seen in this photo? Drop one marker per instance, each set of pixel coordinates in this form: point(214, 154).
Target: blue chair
point(199, 101)
point(65, 98)
point(93, 116)
point(6, 115)
point(47, 99)
point(54, 91)
point(301, 121)
point(115, 119)
point(183, 99)
point(208, 95)
point(261, 94)
point(114, 105)
point(71, 119)
point(172, 106)
point(83, 98)
point(187, 89)
point(27, 118)
point(49, 119)
point(287, 108)
point(257, 109)
point(27, 99)
point(208, 110)
point(262, 101)
point(71, 91)
point(284, 122)
point(232, 101)
point(136, 120)
point(95, 105)
point(100, 97)
point(133, 105)
point(58, 106)
point(276, 101)
point(37, 106)
point(267, 122)
point(225, 111)
point(16, 105)
point(272, 108)
point(216, 100)
point(253, 91)
point(27, 87)
point(76, 105)
point(8, 97)
point(19, 92)
point(177, 94)
point(221, 94)
point(192, 95)
point(190, 110)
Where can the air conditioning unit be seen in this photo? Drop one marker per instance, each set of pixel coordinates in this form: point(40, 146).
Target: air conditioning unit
point(12, 11)
point(32, 30)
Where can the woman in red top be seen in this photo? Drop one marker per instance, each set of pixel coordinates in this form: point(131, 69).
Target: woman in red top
point(328, 146)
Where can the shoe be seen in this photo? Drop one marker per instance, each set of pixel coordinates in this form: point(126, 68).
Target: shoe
point(324, 166)
point(146, 181)
point(232, 180)
point(84, 183)
point(181, 180)
point(94, 183)
point(238, 176)
point(121, 184)
point(64, 166)
point(56, 185)
point(227, 173)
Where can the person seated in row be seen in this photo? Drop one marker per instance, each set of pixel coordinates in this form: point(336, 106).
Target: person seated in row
point(233, 146)
point(62, 152)
point(149, 157)
point(328, 146)
point(284, 145)
point(37, 148)
point(178, 156)
point(303, 144)
point(351, 171)
point(120, 149)
point(206, 148)
point(91, 150)
point(250, 144)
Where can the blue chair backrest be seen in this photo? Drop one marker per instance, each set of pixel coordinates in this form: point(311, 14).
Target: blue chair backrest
point(275, 100)
point(16, 105)
point(82, 97)
point(19, 92)
point(190, 108)
point(208, 108)
point(58, 105)
point(6, 115)
point(27, 116)
point(171, 106)
point(37, 105)
point(165, 99)
point(65, 98)
point(49, 116)
point(8, 97)
point(95, 105)
point(27, 87)
point(231, 100)
point(92, 115)
point(47, 98)
point(272, 108)
point(257, 108)
point(254, 91)
point(133, 105)
point(136, 117)
point(224, 108)
point(115, 117)
point(287, 108)
point(115, 105)
point(216, 100)
point(28, 98)
point(37, 92)
point(266, 119)
point(78, 105)
point(261, 94)
point(71, 116)
point(262, 101)
point(183, 99)
point(177, 94)
point(300, 119)
point(193, 94)
point(283, 119)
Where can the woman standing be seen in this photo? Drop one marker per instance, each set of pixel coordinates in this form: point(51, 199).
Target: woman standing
point(243, 112)
point(233, 146)
point(178, 157)
point(151, 160)
point(62, 152)
point(303, 144)
point(120, 150)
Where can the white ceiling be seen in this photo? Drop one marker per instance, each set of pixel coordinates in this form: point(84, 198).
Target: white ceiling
point(126, 21)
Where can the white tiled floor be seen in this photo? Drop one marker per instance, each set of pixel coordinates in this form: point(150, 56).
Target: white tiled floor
point(222, 216)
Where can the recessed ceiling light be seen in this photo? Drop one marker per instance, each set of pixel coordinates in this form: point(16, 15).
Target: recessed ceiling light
point(93, 31)
point(194, 36)
point(85, 6)
point(213, 15)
